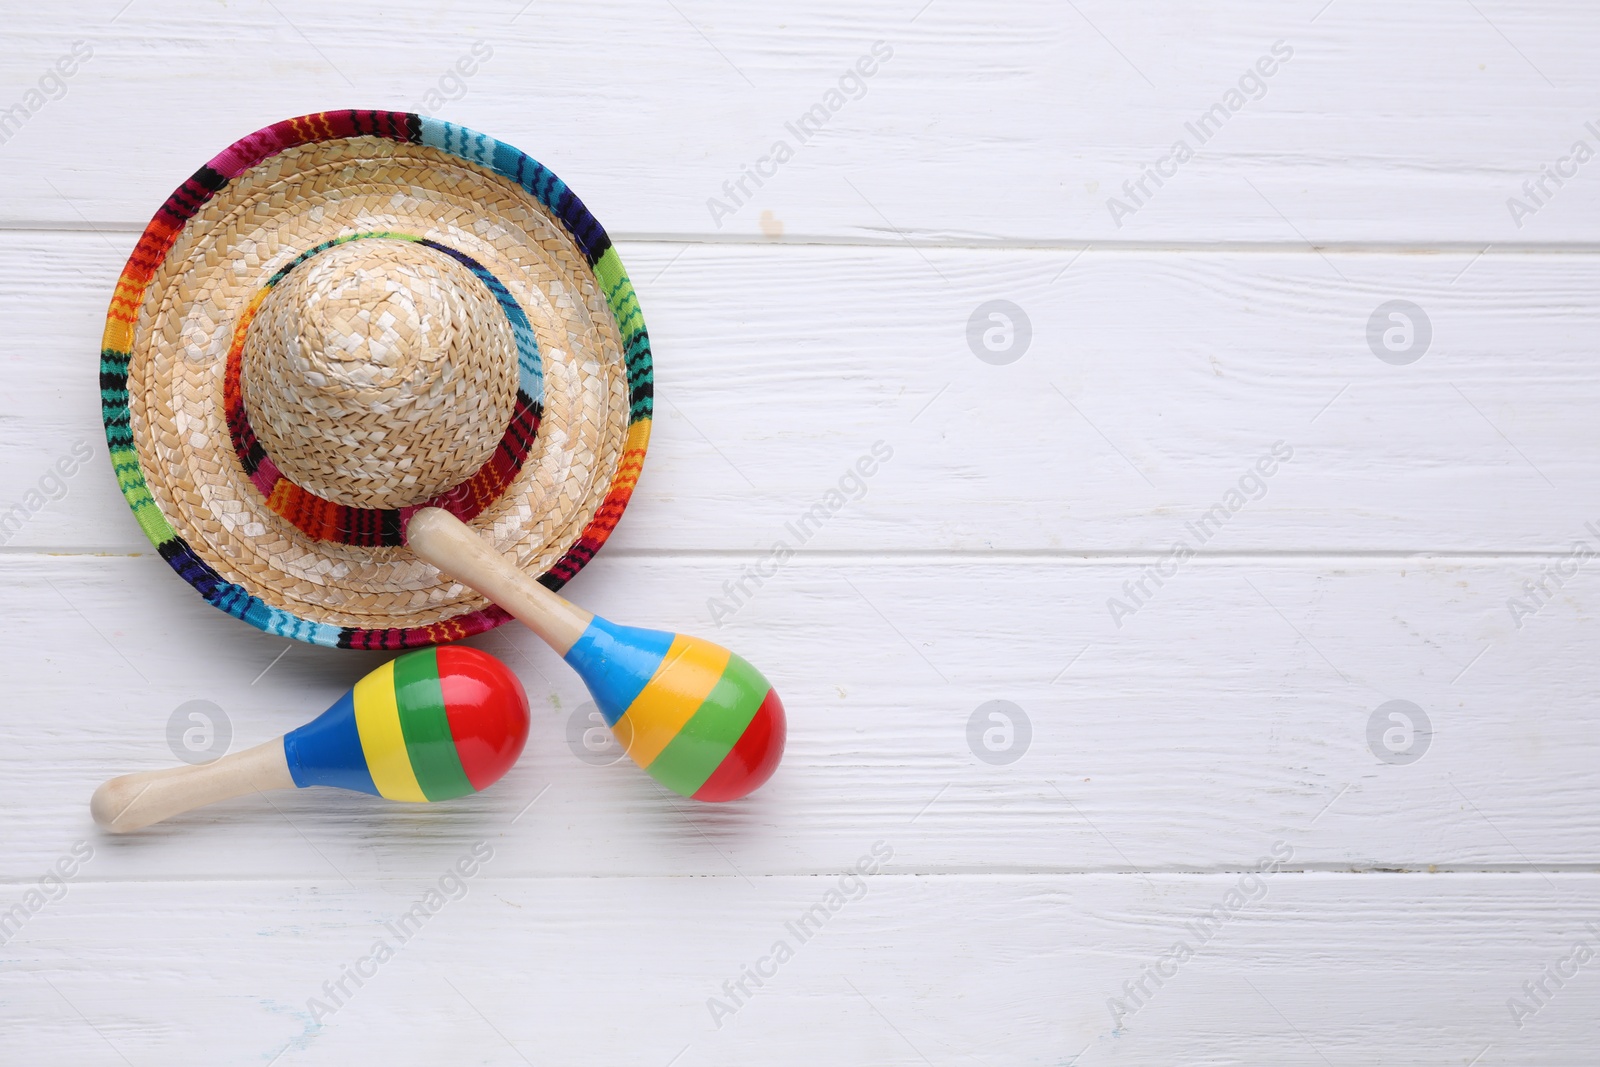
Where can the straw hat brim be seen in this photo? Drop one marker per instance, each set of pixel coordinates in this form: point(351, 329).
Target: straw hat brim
point(299, 567)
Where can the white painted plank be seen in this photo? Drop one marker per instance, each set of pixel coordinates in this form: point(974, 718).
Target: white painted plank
point(1391, 124)
point(1232, 707)
point(1151, 385)
point(1317, 969)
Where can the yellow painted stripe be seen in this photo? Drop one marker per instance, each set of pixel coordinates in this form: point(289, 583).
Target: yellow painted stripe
point(688, 673)
point(378, 723)
point(638, 436)
point(118, 336)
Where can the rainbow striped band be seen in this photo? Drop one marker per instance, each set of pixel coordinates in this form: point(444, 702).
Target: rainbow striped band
point(694, 715)
point(118, 344)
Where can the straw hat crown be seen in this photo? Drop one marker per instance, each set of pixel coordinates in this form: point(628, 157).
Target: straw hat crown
point(379, 374)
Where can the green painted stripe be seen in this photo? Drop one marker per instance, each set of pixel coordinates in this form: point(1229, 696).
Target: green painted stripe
point(608, 269)
point(129, 479)
point(621, 298)
point(712, 731)
point(154, 524)
point(426, 726)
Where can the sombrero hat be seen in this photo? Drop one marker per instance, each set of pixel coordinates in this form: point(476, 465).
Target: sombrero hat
point(350, 315)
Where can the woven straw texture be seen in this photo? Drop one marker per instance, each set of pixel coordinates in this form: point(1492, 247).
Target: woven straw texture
point(349, 315)
point(379, 374)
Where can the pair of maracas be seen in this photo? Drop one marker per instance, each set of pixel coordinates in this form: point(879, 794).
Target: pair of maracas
point(440, 723)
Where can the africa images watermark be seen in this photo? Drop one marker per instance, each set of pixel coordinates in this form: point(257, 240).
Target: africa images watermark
point(1537, 191)
point(1251, 888)
point(452, 84)
point(52, 887)
point(1537, 594)
point(1537, 993)
point(1399, 732)
point(1252, 485)
point(999, 732)
point(736, 992)
point(199, 731)
point(50, 488)
point(1209, 123)
point(52, 85)
point(850, 486)
point(852, 85)
point(451, 886)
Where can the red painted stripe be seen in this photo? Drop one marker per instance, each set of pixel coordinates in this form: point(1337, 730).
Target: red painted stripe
point(152, 248)
point(488, 712)
point(266, 476)
point(249, 150)
point(753, 758)
point(324, 125)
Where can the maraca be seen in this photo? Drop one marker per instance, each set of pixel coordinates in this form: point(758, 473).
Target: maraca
point(430, 725)
point(701, 720)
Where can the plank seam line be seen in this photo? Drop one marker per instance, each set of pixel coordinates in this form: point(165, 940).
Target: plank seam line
point(1064, 244)
point(917, 555)
point(917, 872)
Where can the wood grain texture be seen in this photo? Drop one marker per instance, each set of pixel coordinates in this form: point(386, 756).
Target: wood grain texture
point(1182, 729)
point(1406, 124)
point(1245, 689)
point(1152, 384)
point(1317, 969)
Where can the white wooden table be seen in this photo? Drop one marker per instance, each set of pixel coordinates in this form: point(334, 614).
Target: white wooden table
point(1042, 881)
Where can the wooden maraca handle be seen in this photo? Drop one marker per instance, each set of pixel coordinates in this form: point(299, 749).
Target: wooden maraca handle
point(445, 541)
point(134, 801)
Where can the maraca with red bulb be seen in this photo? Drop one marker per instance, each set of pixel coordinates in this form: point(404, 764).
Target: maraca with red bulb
point(699, 719)
point(430, 725)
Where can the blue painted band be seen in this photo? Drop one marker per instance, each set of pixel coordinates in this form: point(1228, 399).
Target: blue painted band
point(327, 750)
point(616, 663)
